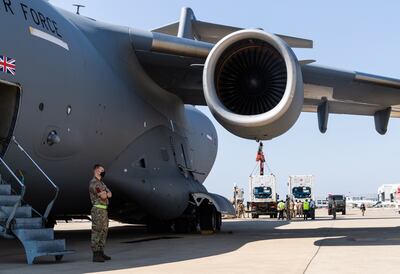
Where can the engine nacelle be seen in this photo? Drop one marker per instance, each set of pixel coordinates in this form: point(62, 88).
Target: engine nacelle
point(253, 84)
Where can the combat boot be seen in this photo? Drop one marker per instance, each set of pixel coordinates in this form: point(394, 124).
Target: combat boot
point(107, 258)
point(98, 257)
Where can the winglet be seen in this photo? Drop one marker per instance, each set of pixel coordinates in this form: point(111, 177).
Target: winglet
point(296, 42)
point(185, 29)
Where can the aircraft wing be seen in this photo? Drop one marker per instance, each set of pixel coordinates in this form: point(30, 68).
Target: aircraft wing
point(176, 53)
point(348, 92)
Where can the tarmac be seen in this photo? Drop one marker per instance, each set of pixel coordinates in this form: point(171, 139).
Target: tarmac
point(349, 244)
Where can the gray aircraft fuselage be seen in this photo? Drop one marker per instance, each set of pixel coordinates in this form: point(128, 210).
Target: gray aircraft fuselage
point(92, 92)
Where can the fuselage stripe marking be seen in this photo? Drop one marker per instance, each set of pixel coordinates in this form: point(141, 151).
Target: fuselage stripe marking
point(48, 37)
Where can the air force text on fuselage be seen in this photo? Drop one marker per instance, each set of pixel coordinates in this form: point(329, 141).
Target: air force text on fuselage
point(36, 17)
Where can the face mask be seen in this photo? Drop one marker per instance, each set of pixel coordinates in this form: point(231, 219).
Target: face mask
point(103, 174)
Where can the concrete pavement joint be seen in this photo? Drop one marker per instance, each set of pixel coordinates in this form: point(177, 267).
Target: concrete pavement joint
point(318, 249)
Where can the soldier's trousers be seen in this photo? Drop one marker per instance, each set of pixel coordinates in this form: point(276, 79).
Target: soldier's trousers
point(99, 228)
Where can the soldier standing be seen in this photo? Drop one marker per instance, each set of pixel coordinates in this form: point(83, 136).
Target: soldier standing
point(362, 208)
point(334, 209)
point(241, 210)
point(292, 208)
point(300, 208)
point(99, 195)
point(312, 209)
point(295, 208)
point(288, 209)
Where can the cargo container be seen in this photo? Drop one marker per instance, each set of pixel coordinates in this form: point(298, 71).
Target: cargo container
point(263, 197)
point(301, 187)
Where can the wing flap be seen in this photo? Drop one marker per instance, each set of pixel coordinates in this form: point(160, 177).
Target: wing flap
point(348, 92)
point(349, 108)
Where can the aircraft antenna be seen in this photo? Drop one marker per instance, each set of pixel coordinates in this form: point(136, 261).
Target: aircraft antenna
point(78, 6)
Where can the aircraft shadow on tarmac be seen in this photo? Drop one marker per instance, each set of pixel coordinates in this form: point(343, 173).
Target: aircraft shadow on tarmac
point(132, 246)
point(352, 218)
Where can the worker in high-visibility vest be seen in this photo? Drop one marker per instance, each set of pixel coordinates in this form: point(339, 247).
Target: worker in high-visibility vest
point(306, 209)
point(281, 209)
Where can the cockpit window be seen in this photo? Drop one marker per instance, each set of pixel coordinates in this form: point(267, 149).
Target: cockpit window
point(301, 192)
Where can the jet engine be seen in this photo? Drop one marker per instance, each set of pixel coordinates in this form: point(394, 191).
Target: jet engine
point(253, 84)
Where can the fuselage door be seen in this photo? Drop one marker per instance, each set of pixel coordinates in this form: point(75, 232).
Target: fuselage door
point(9, 105)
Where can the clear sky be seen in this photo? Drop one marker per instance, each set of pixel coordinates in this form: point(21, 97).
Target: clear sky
point(355, 35)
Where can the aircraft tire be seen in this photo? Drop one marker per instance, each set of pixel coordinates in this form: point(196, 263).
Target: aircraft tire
point(219, 221)
point(209, 219)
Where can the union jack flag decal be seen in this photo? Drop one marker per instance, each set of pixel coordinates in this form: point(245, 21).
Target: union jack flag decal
point(7, 65)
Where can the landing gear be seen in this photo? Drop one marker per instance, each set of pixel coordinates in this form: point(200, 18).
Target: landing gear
point(200, 215)
point(219, 221)
point(210, 219)
point(205, 217)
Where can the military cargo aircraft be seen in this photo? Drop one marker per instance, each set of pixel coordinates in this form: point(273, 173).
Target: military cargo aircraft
point(75, 92)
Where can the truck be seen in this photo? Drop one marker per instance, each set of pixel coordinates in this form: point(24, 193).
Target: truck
point(301, 187)
point(340, 204)
point(263, 197)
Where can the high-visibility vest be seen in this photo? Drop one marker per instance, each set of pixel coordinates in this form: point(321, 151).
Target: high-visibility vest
point(281, 206)
point(306, 206)
point(101, 206)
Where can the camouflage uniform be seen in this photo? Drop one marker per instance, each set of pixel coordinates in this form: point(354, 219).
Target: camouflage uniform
point(241, 210)
point(99, 215)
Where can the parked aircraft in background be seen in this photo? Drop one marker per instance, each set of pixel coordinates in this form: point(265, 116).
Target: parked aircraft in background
point(357, 201)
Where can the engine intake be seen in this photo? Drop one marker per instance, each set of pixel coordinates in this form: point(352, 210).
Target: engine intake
point(250, 77)
point(253, 84)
